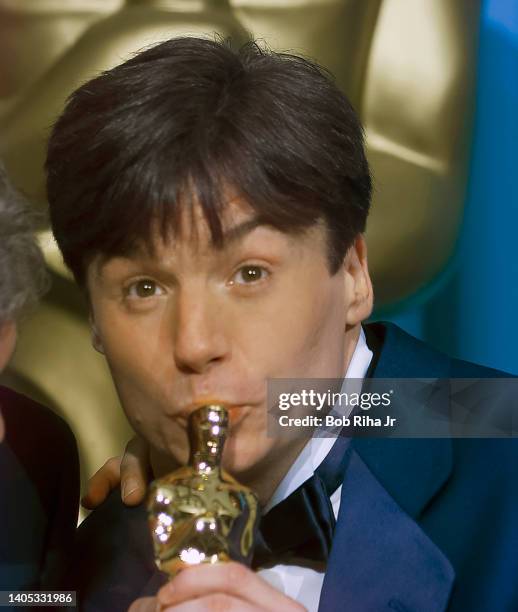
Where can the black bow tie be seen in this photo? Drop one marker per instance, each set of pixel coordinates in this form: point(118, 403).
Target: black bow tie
point(302, 525)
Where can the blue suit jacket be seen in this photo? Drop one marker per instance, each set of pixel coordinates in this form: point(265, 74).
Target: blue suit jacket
point(39, 491)
point(425, 525)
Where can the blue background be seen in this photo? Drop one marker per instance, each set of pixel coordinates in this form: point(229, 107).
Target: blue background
point(471, 311)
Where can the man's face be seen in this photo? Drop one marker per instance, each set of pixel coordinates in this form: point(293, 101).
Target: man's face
point(196, 323)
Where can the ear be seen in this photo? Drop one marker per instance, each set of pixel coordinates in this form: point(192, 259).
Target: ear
point(8, 334)
point(358, 285)
point(95, 335)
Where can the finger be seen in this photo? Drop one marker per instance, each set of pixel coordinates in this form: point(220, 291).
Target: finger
point(101, 483)
point(216, 601)
point(144, 604)
point(232, 579)
point(134, 471)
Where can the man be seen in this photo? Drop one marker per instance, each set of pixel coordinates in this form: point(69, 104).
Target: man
point(39, 468)
point(212, 204)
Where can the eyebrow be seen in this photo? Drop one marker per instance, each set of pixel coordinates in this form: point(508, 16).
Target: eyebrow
point(240, 230)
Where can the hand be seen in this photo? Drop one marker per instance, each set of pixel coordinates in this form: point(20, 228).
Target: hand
point(131, 471)
point(230, 587)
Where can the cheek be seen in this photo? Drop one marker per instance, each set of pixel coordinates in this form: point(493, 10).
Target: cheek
point(133, 356)
point(302, 334)
point(133, 347)
point(245, 447)
point(326, 321)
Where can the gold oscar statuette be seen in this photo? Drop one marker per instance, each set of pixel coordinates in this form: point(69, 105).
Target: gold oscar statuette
point(199, 513)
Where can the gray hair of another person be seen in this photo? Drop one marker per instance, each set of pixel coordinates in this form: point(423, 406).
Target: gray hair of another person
point(23, 274)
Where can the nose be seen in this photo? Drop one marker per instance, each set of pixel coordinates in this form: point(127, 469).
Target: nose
point(200, 340)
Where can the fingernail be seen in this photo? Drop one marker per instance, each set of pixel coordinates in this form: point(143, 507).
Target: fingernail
point(129, 487)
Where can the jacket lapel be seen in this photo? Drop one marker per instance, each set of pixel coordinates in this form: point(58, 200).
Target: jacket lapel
point(411, 469)
point(380, 556)
point(381, 559)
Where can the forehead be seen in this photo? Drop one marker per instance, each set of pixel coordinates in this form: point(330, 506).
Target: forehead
point(192, 225)
point(186, 232)
point(186, 226)
point(192, 231)
point(192, 245)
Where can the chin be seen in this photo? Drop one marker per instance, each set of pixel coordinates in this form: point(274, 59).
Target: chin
point(241, 456)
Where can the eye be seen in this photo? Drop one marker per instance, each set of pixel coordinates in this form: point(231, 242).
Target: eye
point(247, 275)
point(144, 288)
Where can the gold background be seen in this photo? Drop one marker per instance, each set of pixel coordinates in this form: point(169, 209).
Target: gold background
point(407, 65)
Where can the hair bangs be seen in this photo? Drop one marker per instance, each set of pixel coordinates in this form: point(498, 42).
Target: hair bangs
point(192, 124)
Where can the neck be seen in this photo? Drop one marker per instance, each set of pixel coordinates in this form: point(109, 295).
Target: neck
point(352, 335)
point(266, 475)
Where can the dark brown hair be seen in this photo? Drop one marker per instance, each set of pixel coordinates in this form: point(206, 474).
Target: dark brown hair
point(185, 120)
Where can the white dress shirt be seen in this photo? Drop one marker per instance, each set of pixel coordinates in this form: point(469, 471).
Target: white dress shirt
point(301, 583)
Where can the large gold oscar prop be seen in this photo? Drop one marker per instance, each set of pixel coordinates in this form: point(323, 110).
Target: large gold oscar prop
point(407, 65)
point(199, 513)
